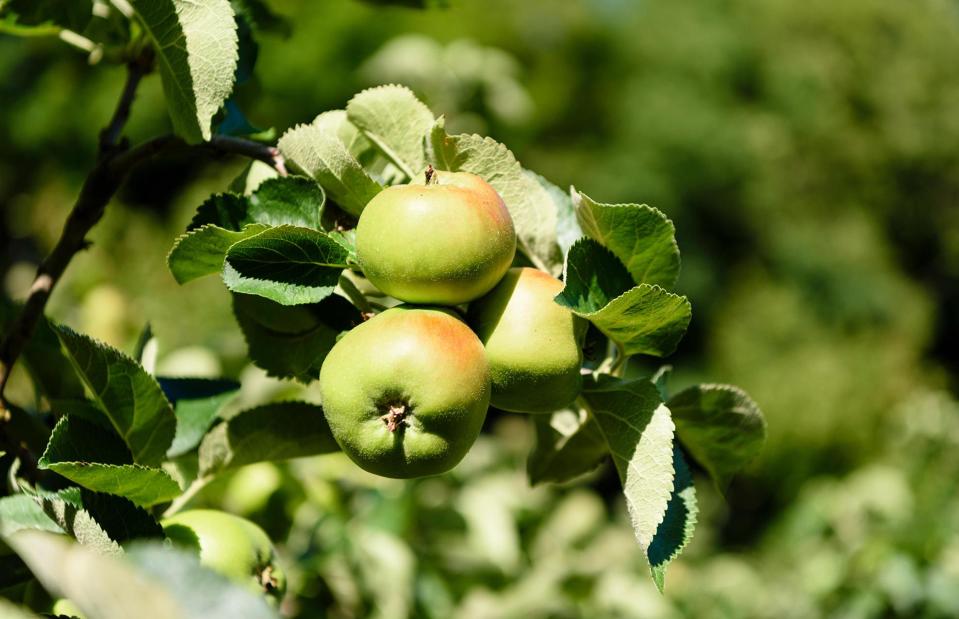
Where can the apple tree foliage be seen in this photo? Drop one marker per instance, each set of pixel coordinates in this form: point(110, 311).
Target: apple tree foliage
point(128, 445)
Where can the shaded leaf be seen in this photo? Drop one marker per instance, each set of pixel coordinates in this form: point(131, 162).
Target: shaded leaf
point(396, 122)
point(226, 210)
point(261, 17)
point(196, 402)
point(639, 235)
point(528, 202)
point(125, 393)
point(679, 523)
point(721, 428)
point(288, 200)
point(286, 264)
point(292, 341)
point(120, 518)
point(322, 150)
point(97, 459)
point(66, 509)
point(196, 55)
point(639, 432)
point(54, 14)
point(277, 431)
point(569, 443)
point(645, 319)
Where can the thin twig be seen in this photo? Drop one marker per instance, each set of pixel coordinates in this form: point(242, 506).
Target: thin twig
point(181, 501)
point(269, 155)
point(110, 137)
point(114, 162)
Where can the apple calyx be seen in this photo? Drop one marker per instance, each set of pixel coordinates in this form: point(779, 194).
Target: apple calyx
point(395, 416)
point(267, 580)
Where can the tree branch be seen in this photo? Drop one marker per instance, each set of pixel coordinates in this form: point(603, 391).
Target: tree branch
point(110, 136)
point(114, 161)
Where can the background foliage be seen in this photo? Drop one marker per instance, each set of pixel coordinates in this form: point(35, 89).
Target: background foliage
point(809, 156)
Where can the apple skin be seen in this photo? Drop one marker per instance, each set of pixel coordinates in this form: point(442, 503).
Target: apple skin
point(533, 344)
point(230, 545)
point(421, 369)
point(65, 608)
point(443, 243)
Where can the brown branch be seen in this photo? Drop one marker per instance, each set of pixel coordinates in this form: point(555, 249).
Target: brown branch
point(136, 69)
point(114, 162)
point(269, 155)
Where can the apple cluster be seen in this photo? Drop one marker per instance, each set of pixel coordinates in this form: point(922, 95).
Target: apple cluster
point(406, 392)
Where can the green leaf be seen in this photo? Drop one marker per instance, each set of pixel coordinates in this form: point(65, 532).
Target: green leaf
point(274, 201)
point(639, 235)
point(721, 428)
point(679, 523)
point(152, 581)
point(196, 402)
point(286, 264)
point(196, 55)
point(288, 200)
point(292, 341)
point(98, 459)
point(202, 250)
point(125, 393)
point(322, 150)
point(567, 227)
point(528, 202)
point(639, 432)
point(21, 511)
point(569, 443)
point(396, 122)
point(594, 277)
point(226, 210)
point(644, 319)
point(66, 509)
point(120, 518)
point(271, 432)
point(52, 14)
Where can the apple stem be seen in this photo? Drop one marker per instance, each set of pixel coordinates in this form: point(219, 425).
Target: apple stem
point(395, 417)
point(430, 174)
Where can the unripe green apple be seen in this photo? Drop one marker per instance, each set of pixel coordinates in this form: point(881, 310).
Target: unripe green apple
point(443, 242)
point(66, 608)
point(406, 392)
point(533, 344)
point(230, 545)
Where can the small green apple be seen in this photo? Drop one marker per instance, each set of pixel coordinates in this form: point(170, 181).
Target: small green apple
point(230, 545)
point(406, 392)
point(66, 608)
point(445, 241)
point(534, 345)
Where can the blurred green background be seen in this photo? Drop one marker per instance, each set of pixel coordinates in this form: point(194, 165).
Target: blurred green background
point(808, 152)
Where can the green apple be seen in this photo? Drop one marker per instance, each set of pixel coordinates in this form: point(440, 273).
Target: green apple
point(406, 392)
point(445, 241)
point(534, 345)
point(66, 608)
point(230, 545)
